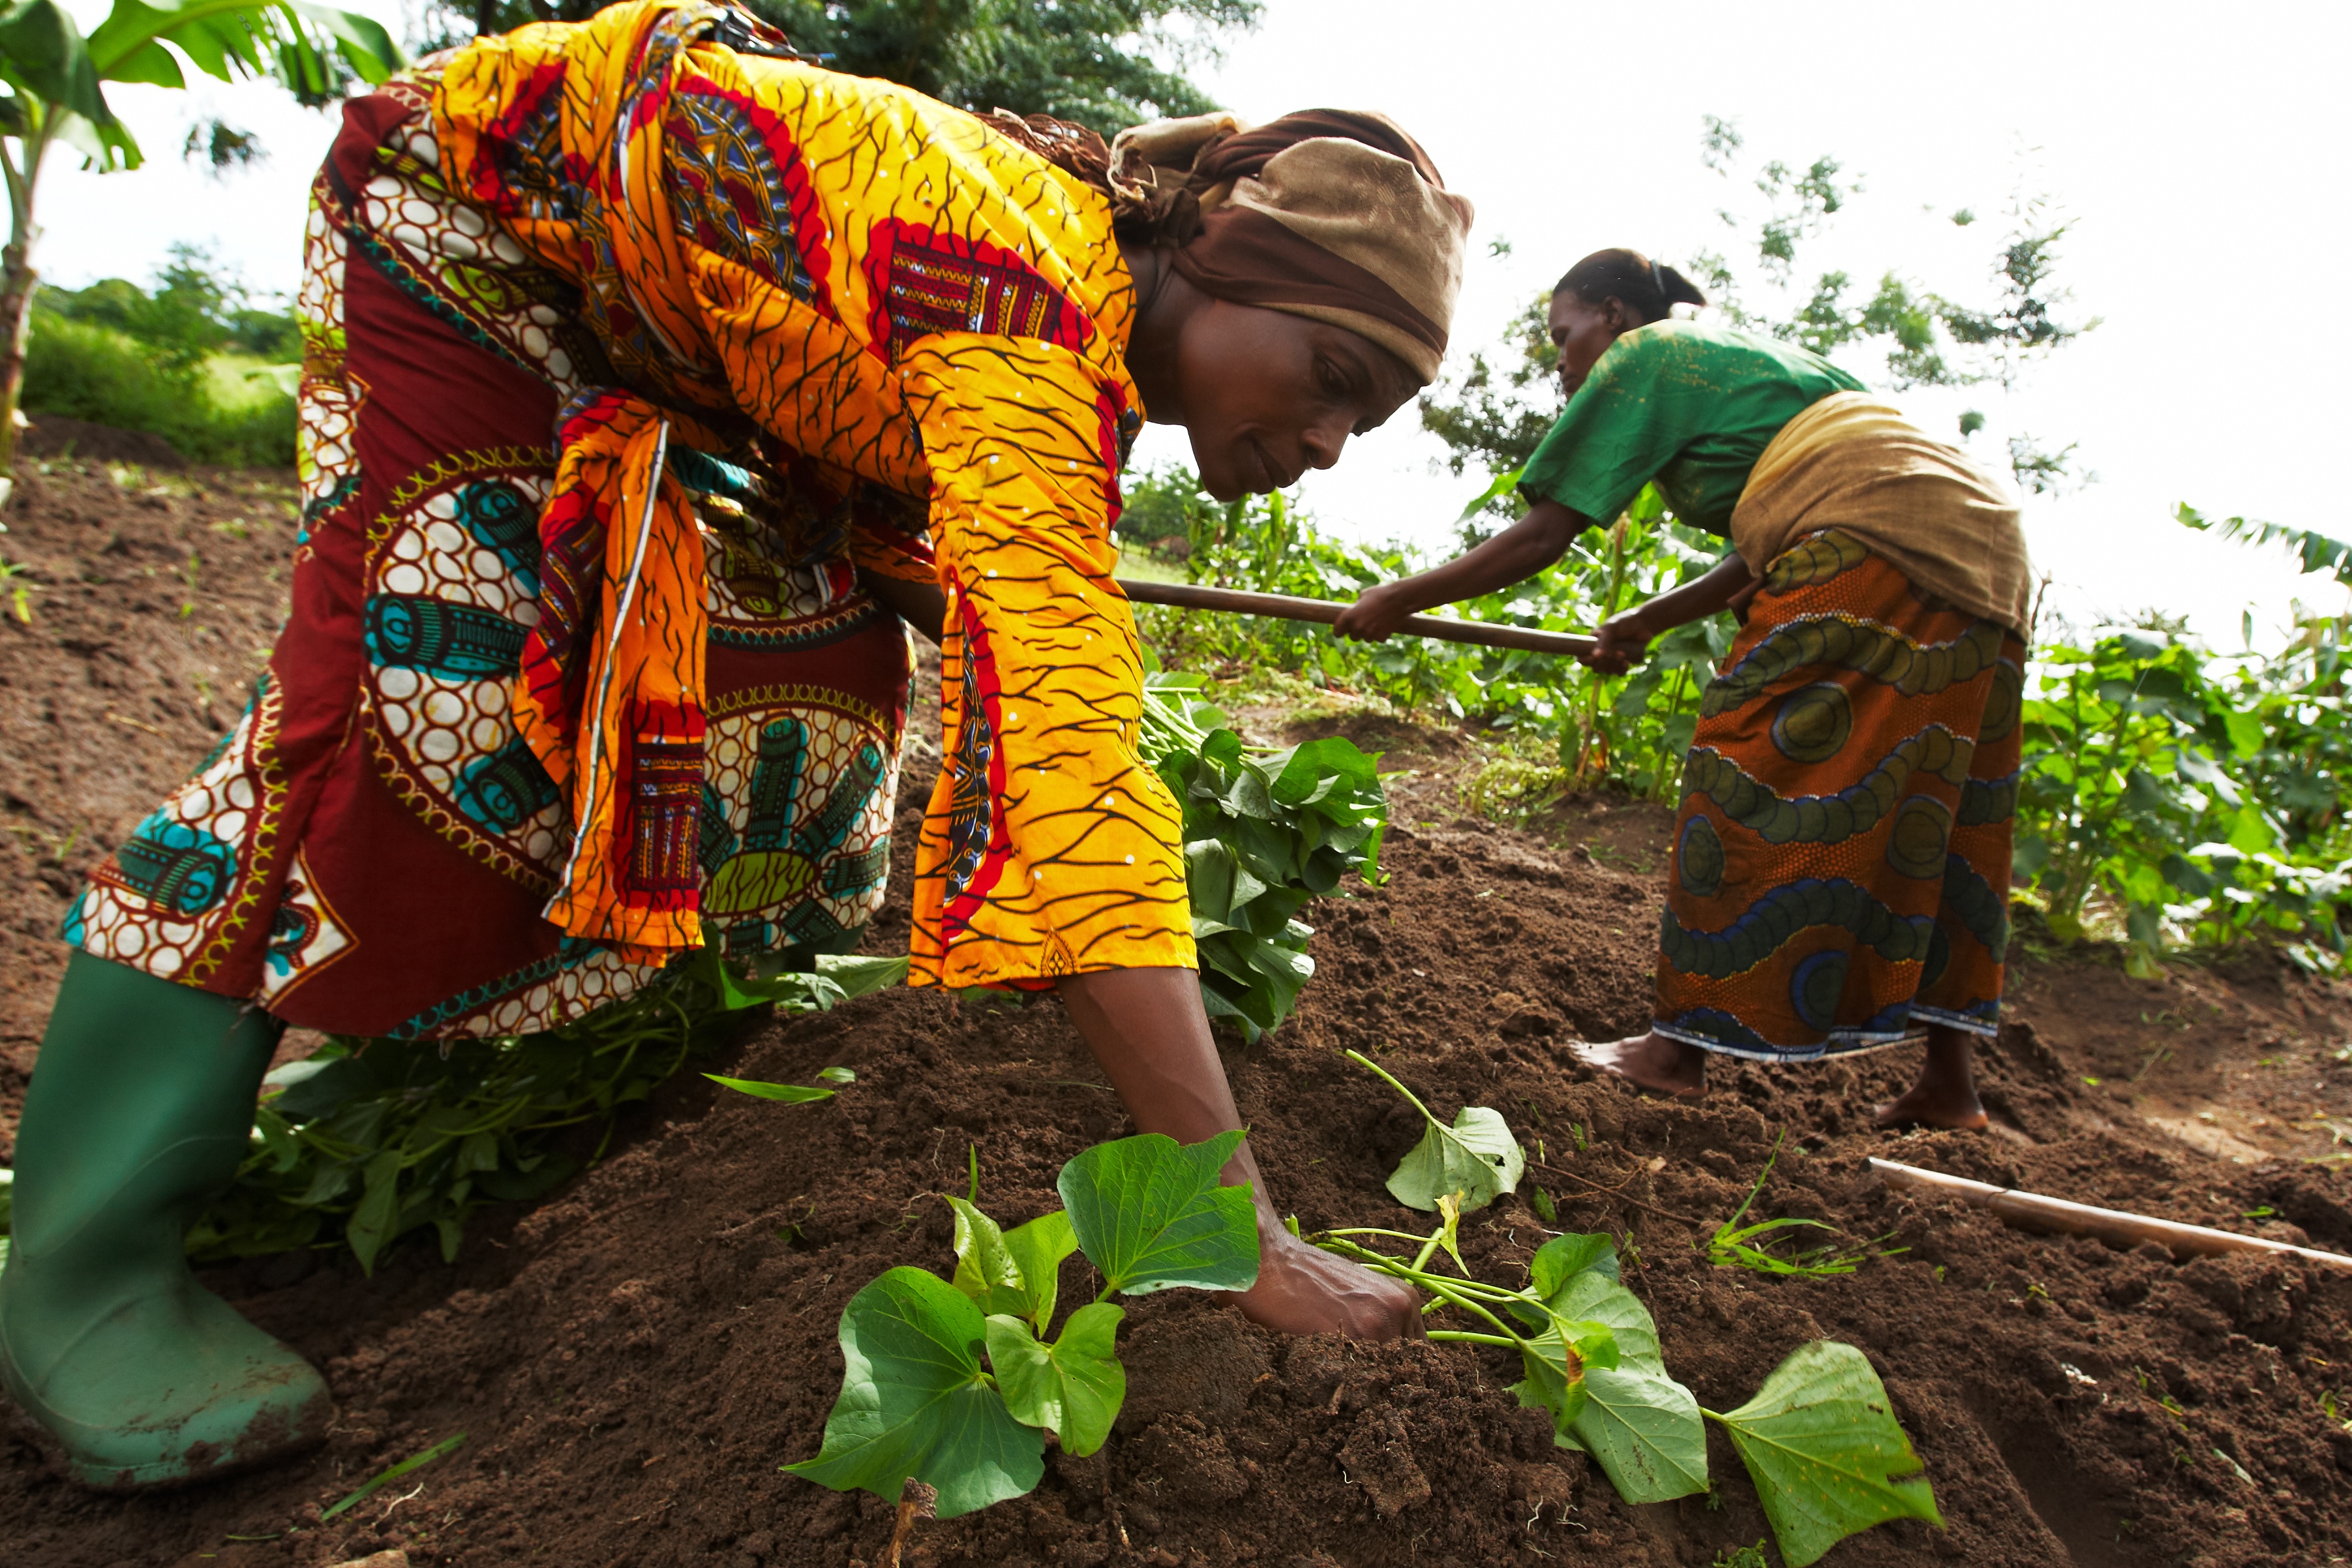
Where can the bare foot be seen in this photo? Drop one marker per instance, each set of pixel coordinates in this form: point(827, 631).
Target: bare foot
point(1946, 1094)
point(1650, 1061)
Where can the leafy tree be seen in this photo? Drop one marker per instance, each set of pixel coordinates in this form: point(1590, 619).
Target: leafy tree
point(1500, 411)
point(53, 78)
point(191, 314)
point(1492, 413)
point(1098, 62)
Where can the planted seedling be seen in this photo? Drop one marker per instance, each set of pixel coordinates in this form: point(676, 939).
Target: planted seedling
point(1819, 1439)
point(955, 1383)
point(1587, 1345)
point(1733, 1244)
point(1476, 1157)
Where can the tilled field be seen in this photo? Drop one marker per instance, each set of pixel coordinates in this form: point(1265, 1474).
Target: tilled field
point(631, 1359)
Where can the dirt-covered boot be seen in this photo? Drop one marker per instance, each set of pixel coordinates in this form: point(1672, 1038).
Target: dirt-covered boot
point(139, 1111)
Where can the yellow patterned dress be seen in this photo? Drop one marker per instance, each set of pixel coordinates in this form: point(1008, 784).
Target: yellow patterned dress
point(630, 344)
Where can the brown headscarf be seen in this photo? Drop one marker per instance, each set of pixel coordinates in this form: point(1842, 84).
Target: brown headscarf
point(1331, 213)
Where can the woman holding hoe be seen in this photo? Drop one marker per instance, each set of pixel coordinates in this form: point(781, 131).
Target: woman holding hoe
point(1841, 854)
point(550, 717)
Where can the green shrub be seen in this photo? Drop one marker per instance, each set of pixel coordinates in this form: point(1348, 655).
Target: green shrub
point(84, 370)
point(174, 361)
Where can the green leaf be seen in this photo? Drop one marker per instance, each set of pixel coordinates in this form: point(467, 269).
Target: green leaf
point(859, 973)
point(1593, 1297)
point(1476, 1157)
point(837, 1075)
point(736, 992)
point(44, 53)
point(2246, 732)
point(2250, 832)
point(1151, 1215)
point(985, 1269)
point(916, 1403)
point(1038, 1248)
point(789, 1093)
point(1312, 773)
point(1210, 869)
point(372, 1224)
point(361, 40)
point(1072, 1388)
point(1563, 1256)
point(277, 1135)
point(1645, 1430)
point(2187, 876)
point(1017, 1272)
point(1826, 1453)
point(1501, 486)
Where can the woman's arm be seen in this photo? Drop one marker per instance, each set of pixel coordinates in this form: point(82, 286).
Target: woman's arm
point(1514, 555)
point(1625, 638)
point(921, 606)
point(1148, 1030)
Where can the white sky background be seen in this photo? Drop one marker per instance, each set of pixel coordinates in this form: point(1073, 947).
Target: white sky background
point(2199, 153)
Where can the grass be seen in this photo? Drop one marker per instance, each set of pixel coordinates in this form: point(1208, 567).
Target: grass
point(221, 412)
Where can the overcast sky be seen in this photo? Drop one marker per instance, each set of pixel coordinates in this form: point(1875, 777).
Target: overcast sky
point(2199, 152)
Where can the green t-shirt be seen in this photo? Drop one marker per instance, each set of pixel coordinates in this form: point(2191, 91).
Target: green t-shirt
point(1690, 406)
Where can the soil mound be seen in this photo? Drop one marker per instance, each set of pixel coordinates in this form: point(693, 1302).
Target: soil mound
point(632, 1359)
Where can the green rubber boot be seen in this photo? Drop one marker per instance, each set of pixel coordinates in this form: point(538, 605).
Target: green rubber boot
point(140, 1111)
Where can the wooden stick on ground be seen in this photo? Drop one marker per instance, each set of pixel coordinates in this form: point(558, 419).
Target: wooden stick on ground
point(2031, 1211)
point(1284, 606)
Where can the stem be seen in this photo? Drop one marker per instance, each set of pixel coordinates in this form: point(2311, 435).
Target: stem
point(1463, 1336)
point(1437, 1285)
point(1451, 1291)
point(1411, 1099)
point(17, 279)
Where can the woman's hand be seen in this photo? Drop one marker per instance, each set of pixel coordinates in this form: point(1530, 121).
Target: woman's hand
point(1303, 1290)
point(1147, 1029)
point(1623, 642)
point(1514, 555)
point(1377, 613)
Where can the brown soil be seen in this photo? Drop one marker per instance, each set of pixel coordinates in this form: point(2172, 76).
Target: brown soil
point(631, 1359)
point(56, 436)
point(152, 599)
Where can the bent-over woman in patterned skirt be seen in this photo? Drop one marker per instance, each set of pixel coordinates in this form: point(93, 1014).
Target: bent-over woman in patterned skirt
point(653, 376)
point(1840, 872)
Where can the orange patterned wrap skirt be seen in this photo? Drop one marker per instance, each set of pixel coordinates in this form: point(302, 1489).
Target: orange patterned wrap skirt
point(1841, 857)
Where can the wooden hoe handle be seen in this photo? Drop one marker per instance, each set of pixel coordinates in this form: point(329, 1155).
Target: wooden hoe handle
point(2031, 1211)
point(1193, 596)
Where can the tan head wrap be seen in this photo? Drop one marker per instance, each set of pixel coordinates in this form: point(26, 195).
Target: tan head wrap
point(1329, 214)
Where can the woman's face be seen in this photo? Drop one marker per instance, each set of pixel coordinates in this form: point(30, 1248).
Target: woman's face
point(1267, 396)
point(1583, 333)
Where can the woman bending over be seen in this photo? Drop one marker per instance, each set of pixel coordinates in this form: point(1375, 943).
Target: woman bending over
point(1840, 861)
point(648, 369)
